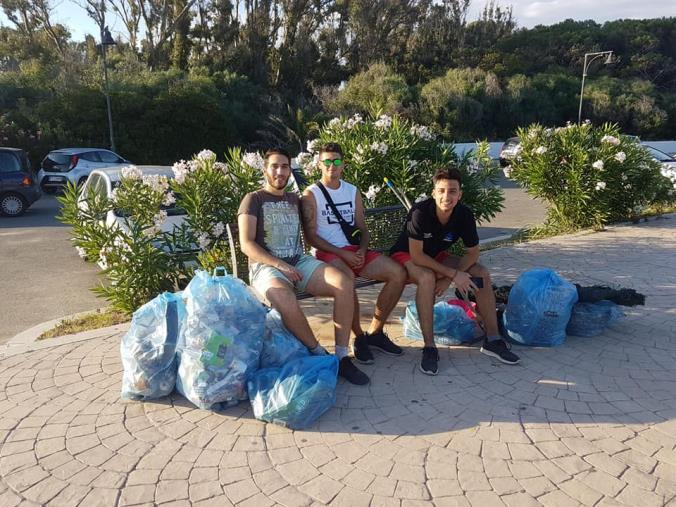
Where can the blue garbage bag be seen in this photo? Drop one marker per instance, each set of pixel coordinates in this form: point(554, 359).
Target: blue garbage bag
point(539, 308)
point(222, 341)
point(591, 319)
point(452, 326)
point(148, 349)
point(297, 394)
point(279, 345)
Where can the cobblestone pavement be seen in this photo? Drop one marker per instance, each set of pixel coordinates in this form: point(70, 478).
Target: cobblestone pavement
point(592, 422)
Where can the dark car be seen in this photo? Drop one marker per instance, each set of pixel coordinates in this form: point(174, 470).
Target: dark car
point(18, 186)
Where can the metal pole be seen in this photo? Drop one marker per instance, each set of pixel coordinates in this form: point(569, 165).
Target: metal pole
point(584, 74)
point(107, 93)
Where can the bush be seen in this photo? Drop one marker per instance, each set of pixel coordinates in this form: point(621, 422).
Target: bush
point(139, 259)
point(408, 155)
point(588, 175)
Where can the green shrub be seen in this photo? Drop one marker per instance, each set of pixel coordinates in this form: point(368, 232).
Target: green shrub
point(588, 175)
point(407, 154)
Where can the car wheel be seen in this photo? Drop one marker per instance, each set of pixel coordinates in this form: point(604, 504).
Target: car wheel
point(50, 190)
point(12, 205)
point(82, 181)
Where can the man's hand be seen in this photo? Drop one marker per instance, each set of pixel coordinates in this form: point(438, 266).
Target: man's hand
point(441, 286)
point(353, 259)
point(464, 282)
point(290, 272)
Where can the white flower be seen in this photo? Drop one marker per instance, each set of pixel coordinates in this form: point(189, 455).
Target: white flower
point(372, 192)
point(254, 160)
point(218, 229)
point(304, 158)
point(421, 197)
point(507, 171)
point(354, 121)
point(610, 140)
point(473, 167)
point(131, 172)
point(169, 199)
point(159, 218)
point(157, 182)
point(203, 240)
point(380, 148)
point(624, 177)
point(151, 231)
point(601, 185)
point(620, 156)
point(114, 195)
point(181, 170)
point(220, 166)
point(532, 134)
point(422, 132)
point(206, 155)
point(548, 132)
point(587, 122)
point(384, 122)
point(540, 150)
point(81, 251)
point(313, 145)
point(311, 165)
point(412, 164)
point(335, 123)
point(598, 165)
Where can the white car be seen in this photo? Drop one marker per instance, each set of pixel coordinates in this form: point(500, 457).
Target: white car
point(666, 160)
point(74, 165)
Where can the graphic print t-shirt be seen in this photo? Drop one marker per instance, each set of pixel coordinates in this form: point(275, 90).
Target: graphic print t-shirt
point(328, 227)
point(278, 223)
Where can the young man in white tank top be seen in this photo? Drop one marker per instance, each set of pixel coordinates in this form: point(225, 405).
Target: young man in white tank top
point(324, 233)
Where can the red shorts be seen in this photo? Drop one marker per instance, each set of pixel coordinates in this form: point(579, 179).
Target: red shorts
point(329, 257)
point(403, 257)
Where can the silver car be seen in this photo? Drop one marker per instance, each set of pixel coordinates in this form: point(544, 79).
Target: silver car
point(74, 165)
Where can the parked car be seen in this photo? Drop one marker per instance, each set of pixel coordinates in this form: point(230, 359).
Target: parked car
point(74, 165)
point(509, 151)
point(18, 186)
point(105, 180)
point(663, 158)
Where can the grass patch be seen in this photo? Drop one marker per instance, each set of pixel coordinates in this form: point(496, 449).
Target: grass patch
point(94, 320)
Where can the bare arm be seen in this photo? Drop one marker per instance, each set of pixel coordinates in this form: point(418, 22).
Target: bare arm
point(459, 276)
point(360, 222)
point(256, 253)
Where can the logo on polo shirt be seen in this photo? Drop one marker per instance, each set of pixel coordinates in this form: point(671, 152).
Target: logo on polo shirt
point(427, 235)
point(449, 237)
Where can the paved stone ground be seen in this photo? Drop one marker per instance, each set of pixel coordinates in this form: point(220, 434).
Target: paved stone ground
point(592, 422)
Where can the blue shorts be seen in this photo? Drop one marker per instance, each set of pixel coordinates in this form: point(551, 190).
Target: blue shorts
point(260, 275)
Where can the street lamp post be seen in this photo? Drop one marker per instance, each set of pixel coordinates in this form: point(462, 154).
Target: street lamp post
point(585, 66)
point(107, 40)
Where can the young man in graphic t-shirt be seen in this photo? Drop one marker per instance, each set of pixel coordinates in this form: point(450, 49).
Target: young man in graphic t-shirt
point(324, 233)
point(269, 235)
point(432, 226)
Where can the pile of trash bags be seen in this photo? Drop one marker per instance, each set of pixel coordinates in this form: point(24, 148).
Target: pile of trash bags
point(543, 307)
point(452, 325)
point(215, 342)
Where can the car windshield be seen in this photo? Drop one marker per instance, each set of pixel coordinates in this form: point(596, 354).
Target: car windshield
point(659, 155)
point(171, 210)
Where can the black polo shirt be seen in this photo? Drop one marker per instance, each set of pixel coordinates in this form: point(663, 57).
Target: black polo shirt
point(422, 224)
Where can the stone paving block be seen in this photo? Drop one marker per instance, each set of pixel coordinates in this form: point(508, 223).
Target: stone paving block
point(351, 498)
point(241, 490)
point(132, 495)
point(297, 472)
point(631, 495)
point(291, 497)
point(101, 497)
point(323, 489)
point(204, 490)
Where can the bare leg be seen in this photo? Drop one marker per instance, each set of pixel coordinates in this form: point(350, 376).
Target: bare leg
point(424, 299)
point(385, 270)
point(283, 299)
point(330, 281)
point(356, 320)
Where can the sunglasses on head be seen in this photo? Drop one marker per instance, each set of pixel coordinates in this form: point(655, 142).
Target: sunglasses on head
point(335, 161)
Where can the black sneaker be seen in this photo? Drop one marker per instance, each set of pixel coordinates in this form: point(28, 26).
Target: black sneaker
point(351, 373)
point(430, 361)
point(361, 351)
point(382, 342)
point(499, 350)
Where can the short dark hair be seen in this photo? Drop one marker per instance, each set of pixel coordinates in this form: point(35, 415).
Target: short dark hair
point(450, 173)
point(331, 148)
point(276, 151)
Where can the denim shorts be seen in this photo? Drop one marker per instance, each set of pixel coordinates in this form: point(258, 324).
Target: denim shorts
point(260, 275)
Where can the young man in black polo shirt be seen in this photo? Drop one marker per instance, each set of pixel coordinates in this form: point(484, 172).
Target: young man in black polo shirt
point(432, 226)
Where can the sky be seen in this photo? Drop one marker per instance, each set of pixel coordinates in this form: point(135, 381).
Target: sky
point(527, 13)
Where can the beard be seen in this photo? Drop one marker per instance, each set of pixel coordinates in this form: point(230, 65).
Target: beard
point(274, 183)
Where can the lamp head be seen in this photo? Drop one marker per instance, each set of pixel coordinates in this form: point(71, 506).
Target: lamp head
point(106, 38)
point(609, 58)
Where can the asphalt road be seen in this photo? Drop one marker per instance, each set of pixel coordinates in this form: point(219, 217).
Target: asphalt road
point(42, 278)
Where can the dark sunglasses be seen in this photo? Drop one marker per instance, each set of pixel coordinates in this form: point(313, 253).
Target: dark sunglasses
point(335, 161)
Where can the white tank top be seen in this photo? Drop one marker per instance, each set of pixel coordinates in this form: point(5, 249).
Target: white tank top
point(344, 197)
